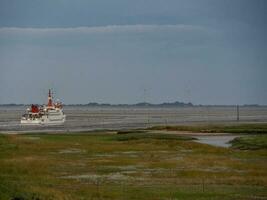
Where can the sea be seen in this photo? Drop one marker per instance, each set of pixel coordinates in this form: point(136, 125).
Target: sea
point(83, 118)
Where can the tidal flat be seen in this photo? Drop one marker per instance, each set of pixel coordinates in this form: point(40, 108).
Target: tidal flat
point(144, 164)
point(83, 118)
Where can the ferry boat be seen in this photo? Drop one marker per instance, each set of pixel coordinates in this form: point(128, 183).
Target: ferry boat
point(50, 114)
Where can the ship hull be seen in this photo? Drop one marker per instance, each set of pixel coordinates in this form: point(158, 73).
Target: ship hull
point(30, 122)
point(44, 121)
point(34, 122)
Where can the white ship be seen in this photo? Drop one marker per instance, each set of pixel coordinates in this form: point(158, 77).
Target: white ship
point(50, 114)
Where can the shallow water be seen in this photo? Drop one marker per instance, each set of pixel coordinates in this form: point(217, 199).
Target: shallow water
point(81, 118)
point(219, 141)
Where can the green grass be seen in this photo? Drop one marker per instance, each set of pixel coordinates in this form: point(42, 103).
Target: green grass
point(141, 166)
point(260, 128)
point(250, 142)
point(146, 135)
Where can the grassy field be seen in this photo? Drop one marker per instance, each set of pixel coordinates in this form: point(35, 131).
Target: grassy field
point(129, 165)
point(260, 128)
point(250, 142)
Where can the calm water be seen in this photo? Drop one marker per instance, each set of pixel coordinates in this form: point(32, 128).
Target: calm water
point(90, 118)
point(220, 141)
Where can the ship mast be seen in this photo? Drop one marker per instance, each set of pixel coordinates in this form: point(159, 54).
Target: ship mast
point(50, 102)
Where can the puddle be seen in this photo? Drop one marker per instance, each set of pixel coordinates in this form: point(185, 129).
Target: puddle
point(128, 168)
point(130, 152)
point(114, 177)
point(219, 141)
point(30, 138)
point(104, 155)
point(71, 150)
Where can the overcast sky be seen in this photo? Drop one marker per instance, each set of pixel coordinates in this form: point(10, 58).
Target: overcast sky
point(125, 51)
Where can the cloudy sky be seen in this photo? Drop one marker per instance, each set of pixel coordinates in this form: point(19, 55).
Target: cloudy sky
point(125, 51)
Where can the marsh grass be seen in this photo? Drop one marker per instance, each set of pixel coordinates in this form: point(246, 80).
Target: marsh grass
point(255, 142)
point(142, 165)
point(146, 135)
point(260, 128)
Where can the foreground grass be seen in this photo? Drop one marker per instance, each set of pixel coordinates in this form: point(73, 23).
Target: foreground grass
point(260, 128)
point(127, 166)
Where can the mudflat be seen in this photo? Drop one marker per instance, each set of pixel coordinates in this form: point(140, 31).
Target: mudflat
point(82, 118)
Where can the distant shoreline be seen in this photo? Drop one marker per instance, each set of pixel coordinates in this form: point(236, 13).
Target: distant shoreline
point(142, 105)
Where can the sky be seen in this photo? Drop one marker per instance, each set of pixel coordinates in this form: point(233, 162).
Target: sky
point(124, 51)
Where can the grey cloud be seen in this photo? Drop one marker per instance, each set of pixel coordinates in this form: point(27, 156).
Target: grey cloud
point(102, 29)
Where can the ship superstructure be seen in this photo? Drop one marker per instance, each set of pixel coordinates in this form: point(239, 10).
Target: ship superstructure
point(50, 114)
